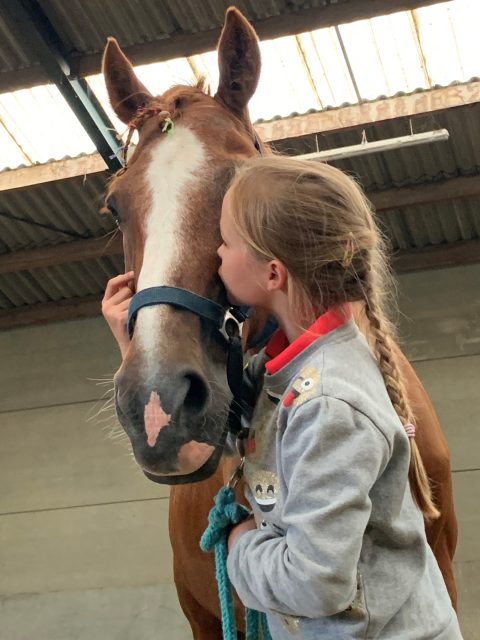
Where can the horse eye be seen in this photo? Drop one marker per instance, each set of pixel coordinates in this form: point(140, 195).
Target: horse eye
point(109, 208)
point(178, 103)
point(114, 213)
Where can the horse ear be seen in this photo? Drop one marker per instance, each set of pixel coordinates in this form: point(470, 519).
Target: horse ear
point(238, 61)
point(125, 90)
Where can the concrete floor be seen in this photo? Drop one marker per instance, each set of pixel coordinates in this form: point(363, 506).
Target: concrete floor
point(84, 551)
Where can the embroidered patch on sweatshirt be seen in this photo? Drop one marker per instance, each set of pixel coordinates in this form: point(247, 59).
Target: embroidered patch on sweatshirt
point(305, 386)
point(264, 487)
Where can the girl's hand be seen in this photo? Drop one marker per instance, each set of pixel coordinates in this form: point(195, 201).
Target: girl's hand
point(247, 525)
point(115, 307)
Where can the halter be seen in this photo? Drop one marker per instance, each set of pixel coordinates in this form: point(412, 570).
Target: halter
point(208, 310)
point(215, 315)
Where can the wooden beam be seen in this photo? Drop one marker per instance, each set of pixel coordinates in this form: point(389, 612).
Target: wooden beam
point(330, 120)
point(452, 189)
point(56, 170)
point(168, 46)
point(436, 257)
point(453, 254)
point(67, 252)
point(111, 245)
point(46, 312)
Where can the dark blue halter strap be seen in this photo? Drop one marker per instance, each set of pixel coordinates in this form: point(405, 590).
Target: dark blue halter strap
point(176, 297)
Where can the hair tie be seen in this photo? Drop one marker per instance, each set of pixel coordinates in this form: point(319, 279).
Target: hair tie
point(409, 429)
point(349, 252)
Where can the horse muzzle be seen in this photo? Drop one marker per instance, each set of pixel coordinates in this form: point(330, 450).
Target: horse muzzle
point(166, 426)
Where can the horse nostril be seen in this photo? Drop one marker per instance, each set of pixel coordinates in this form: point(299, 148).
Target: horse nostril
point(197, 394)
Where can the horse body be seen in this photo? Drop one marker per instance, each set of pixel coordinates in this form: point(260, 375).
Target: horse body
point(171, 390)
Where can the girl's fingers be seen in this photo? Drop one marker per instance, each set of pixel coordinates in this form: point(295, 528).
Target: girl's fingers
point(117, 282)
point(123, 306)
point(125, 293)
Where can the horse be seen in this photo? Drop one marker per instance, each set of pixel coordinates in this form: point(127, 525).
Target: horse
point(171, 391)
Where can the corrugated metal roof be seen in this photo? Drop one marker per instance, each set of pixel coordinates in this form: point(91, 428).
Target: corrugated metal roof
point(314, 74)
point(84, 25)
point(71, 280)
point(458, 156)
point(328, 67)
point(72, 205)
point(424, 225)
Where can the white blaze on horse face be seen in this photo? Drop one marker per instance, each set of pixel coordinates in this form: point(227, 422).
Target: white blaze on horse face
point(176, 163)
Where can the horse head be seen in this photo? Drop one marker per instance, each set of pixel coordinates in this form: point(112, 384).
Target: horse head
point(171, 391)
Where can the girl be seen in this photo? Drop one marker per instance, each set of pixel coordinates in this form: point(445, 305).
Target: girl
point(340, 549)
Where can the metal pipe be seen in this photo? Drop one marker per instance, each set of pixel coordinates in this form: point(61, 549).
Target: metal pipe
point(377, 146)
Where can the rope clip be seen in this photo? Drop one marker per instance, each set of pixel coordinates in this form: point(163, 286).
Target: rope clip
point(236, 475)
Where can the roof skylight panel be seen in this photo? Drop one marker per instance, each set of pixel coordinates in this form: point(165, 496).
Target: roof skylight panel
point(207, 65)
point(331, 74)
point(160, 76)
point(42, 124)
point(284, 85)
point(450, 42)
point(383, 55)
point(11, 155)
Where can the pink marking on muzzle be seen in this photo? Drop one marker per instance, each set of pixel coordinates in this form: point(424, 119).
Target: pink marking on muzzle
point(193, 455)
point(155, 418)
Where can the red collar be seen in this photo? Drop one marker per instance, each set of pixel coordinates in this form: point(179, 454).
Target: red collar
point(281, 351)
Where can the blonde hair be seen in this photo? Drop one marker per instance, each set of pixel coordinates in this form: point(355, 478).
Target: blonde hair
point(318, 223)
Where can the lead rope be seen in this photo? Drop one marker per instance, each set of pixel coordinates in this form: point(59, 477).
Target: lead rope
point(222, 516)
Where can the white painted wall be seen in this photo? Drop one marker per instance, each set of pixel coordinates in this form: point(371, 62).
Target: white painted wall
point(84, 550)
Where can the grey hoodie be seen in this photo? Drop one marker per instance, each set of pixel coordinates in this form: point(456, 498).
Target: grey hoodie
point(340, 549)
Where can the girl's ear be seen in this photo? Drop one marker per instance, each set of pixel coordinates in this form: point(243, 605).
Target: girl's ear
point(277, 276)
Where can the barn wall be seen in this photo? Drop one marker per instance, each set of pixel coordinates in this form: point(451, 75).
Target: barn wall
point(84, 549)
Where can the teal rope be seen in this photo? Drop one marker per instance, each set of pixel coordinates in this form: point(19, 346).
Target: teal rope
point(222, 516)
point(252, 624)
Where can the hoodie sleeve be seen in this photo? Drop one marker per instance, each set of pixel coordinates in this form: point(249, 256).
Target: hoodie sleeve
point(331, 456)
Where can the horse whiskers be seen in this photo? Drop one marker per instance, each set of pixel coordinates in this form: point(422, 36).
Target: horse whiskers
point(107, 421)
point(108, 406)
point(100, 381)
point(113, 431)
point(213, 424)
point(119, 436)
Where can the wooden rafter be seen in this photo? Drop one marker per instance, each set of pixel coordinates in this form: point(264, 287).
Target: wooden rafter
point(51, 171)
point(76, 251)
point(453, 189)
point(452, 254)
point(80, 250)
point(367, 113)
point(435, 257)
